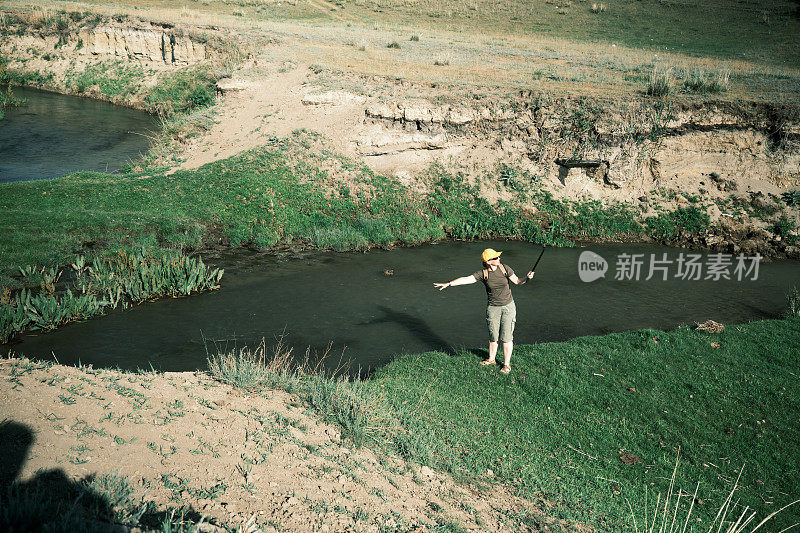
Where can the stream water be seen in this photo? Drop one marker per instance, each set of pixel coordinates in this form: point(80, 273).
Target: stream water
point(51, 135)
point(347, 300)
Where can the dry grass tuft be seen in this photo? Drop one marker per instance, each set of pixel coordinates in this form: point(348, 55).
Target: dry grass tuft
point(660, 82)
point(730, 517)
point(251, 369)
point(710, 326)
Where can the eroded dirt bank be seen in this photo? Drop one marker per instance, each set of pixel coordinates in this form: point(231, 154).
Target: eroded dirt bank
point(259, 461)
point(732, 159)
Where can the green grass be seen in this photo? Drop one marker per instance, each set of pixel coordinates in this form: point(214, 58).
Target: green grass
point(113, 78)
point(669, 224)
point(558, 425)
point(704, 82)
point(182, 91)
point(272, 195)
point(647, 393)
point(660, 82)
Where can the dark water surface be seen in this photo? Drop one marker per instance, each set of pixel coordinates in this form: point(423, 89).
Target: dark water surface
point(346, 299)
point(53, 134)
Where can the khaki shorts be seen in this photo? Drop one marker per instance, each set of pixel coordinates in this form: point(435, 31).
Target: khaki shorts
point(501, 320)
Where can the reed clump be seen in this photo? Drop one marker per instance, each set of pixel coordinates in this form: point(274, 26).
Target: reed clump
point(126, 279)
point(251, 369)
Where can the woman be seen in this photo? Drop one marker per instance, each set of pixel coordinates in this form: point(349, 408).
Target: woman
point(501, 313)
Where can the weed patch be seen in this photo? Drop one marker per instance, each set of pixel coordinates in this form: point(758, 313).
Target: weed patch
point(112, 78)
point(660, 82)
point(183, 91)
point(702, 82)
point(122, 280)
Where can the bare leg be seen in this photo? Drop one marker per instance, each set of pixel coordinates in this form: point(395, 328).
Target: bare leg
point(492, 352)
point(508, 347)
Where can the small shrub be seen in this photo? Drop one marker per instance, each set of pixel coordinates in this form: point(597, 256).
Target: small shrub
point(183, 91)
point(668, 225)
point(248, 369)
point(414, 38)
point(791, 197)
point(784, 227)
point(393, 44)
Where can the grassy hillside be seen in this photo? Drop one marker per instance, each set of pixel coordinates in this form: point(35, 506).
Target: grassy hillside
point(763, 31)
point(560, 424)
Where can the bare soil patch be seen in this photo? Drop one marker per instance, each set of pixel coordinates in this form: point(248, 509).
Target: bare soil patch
point(185, 440)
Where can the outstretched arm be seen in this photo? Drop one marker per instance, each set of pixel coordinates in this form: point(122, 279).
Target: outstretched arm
point(466, 280)
point(516, 281)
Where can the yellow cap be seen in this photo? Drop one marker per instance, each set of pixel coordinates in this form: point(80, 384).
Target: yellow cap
point(489, 254)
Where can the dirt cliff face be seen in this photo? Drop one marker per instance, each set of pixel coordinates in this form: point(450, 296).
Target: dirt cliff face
point(142, 44)
point(605, 148)
point(74, 53)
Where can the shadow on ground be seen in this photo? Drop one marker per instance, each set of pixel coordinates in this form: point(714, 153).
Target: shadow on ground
point(52, 501)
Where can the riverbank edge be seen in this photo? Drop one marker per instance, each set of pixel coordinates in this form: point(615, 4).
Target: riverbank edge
point(285, 211)
point(409, 404)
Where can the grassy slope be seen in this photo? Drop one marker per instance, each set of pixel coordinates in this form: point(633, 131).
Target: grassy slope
point(558, 46)
point(760, 31)
point(266, 197)
point(688, 395)
point(763, 31)
point(255, 197)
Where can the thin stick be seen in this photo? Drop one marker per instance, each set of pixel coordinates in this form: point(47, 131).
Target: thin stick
point(581, 452)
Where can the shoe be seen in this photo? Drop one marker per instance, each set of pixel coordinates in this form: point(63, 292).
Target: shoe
point(487, 362)
point(505, 370)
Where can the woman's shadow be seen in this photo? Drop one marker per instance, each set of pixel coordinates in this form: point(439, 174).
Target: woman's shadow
point(414, 325)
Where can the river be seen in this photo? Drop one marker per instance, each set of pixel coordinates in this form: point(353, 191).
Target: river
point(347, 301)
point(51, 135)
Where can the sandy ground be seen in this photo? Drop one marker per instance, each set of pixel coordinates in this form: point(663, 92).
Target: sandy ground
point(275, 100)
point(259, 459)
